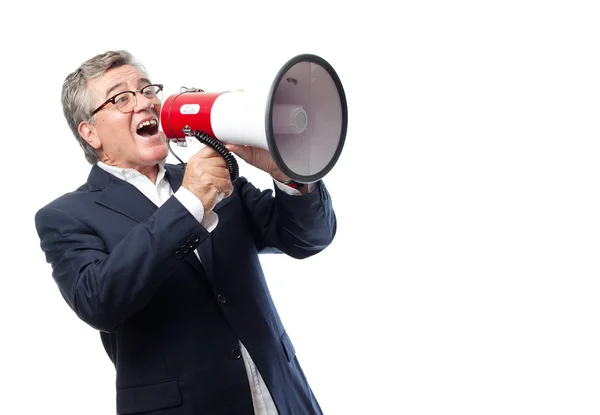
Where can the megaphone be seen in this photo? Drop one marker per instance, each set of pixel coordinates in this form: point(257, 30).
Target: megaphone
point(301, 118)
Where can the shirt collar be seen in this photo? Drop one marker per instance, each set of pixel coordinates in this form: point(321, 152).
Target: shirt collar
point(129, 174)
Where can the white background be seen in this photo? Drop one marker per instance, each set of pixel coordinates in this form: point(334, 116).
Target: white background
point(464, 275)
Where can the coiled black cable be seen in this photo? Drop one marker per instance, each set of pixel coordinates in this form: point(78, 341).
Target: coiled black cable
point(232, 164)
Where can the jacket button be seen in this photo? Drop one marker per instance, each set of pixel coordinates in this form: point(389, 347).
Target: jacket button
point(236, 354)
point(222, 299)
point(178, 255)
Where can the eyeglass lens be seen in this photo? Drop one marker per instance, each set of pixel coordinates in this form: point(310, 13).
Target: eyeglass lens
point(127, 101)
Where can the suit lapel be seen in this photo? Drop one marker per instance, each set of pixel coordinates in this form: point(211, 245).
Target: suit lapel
point(126, 199)
point(120, 196)
point(174, 175)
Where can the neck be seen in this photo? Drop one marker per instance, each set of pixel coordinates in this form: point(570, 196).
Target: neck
point(151, 171)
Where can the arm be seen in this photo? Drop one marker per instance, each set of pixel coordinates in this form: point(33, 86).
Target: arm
point(298, 225)
point(105, 288)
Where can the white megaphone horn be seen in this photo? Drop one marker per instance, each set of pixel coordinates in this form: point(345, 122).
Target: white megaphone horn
point(301, 119)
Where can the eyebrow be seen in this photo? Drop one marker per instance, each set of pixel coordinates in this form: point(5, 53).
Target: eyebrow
point(113, 88)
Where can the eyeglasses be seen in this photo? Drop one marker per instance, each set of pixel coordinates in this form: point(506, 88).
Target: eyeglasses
point(126, 101)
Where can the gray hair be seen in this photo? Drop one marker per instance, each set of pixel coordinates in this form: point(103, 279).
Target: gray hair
point(77, 101)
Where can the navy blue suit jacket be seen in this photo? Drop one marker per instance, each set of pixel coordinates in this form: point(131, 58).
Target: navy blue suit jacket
point(169, 323)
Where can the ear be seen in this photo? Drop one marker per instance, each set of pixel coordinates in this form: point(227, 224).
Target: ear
point(88, 133)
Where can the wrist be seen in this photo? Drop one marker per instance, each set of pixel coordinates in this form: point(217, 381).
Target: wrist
point(294, 184)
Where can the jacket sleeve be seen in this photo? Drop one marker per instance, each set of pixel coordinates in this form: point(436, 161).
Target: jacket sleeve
point(105, 288)
point(299, 226)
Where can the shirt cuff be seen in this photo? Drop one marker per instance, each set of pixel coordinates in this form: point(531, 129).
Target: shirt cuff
point(194, 206)
point(290, 190)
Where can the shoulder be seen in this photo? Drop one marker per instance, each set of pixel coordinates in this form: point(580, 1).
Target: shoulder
point(69, 198)
point(70, 202)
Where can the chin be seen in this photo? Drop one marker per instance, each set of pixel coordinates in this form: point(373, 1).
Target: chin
point(155, 153)
point(161, 153)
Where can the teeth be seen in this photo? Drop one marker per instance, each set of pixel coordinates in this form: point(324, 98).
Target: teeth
point(146, 123)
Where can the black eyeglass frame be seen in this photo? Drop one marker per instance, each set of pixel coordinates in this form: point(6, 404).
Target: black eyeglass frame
point(112, 99)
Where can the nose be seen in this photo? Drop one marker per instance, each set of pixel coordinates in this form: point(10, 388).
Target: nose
point(143, 103)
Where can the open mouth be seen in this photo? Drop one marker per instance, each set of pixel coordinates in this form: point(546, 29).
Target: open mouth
point(148, 128)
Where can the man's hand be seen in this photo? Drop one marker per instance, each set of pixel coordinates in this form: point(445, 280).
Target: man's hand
point(259, 158)
point(206, 176)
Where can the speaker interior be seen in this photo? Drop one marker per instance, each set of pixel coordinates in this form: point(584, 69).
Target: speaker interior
point(306, 118)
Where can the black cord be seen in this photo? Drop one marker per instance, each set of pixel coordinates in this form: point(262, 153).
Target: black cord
point(172, 152)
point(232, 164)
point(220, 148)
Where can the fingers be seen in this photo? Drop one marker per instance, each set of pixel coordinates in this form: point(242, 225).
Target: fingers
point(208, 178)
point(223, 189)
point(215, 165)
point(243, 152)
point(207, 152)
point(208, 159)
point(220, 195)
point(223, 186)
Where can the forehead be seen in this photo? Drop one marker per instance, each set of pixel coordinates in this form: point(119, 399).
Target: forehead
point(117, 79)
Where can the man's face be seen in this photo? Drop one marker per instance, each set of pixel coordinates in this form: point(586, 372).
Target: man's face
point(117, 136)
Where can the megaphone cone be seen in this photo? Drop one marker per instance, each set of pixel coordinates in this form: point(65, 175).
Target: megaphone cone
point(301, 119)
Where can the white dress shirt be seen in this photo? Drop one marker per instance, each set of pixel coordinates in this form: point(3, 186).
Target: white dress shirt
point(159, 193)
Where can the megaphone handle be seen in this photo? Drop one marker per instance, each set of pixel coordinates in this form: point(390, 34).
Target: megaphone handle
point(216, 145)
